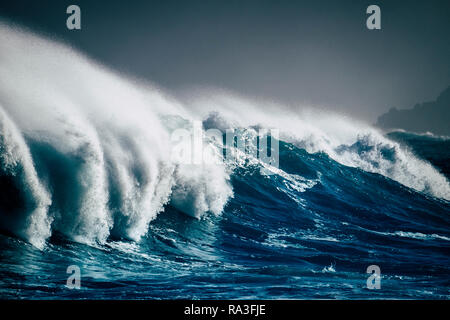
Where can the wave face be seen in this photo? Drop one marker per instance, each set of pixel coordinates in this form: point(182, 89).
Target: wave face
point(88, 178)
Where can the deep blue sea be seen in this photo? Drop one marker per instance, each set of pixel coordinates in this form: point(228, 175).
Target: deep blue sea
point(277, 238)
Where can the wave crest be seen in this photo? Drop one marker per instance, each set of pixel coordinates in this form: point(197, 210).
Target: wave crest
point(89, 151)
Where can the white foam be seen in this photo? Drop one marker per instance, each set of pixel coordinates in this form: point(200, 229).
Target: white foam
point(111, 129)
point(320, 131)
point(15, 161)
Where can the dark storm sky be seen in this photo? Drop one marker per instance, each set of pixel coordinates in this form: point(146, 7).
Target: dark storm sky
point(316, 52)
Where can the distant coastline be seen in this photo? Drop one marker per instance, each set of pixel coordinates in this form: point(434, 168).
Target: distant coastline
point(431, 117)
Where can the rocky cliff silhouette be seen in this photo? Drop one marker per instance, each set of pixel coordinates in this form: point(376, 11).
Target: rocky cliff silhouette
point(431, 117)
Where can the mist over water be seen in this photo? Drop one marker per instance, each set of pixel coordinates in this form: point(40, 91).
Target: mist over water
point(96, 141)
point(86, 155)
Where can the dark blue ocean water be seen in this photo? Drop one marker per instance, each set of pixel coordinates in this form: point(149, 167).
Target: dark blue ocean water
point(312, 237)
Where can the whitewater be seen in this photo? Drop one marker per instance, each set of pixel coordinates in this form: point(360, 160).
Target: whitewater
point(86, 155)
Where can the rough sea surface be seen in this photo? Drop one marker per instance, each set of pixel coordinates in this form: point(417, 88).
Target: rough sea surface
point(87, 180)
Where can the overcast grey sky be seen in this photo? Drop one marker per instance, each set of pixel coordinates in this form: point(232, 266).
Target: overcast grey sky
point(317, 52)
